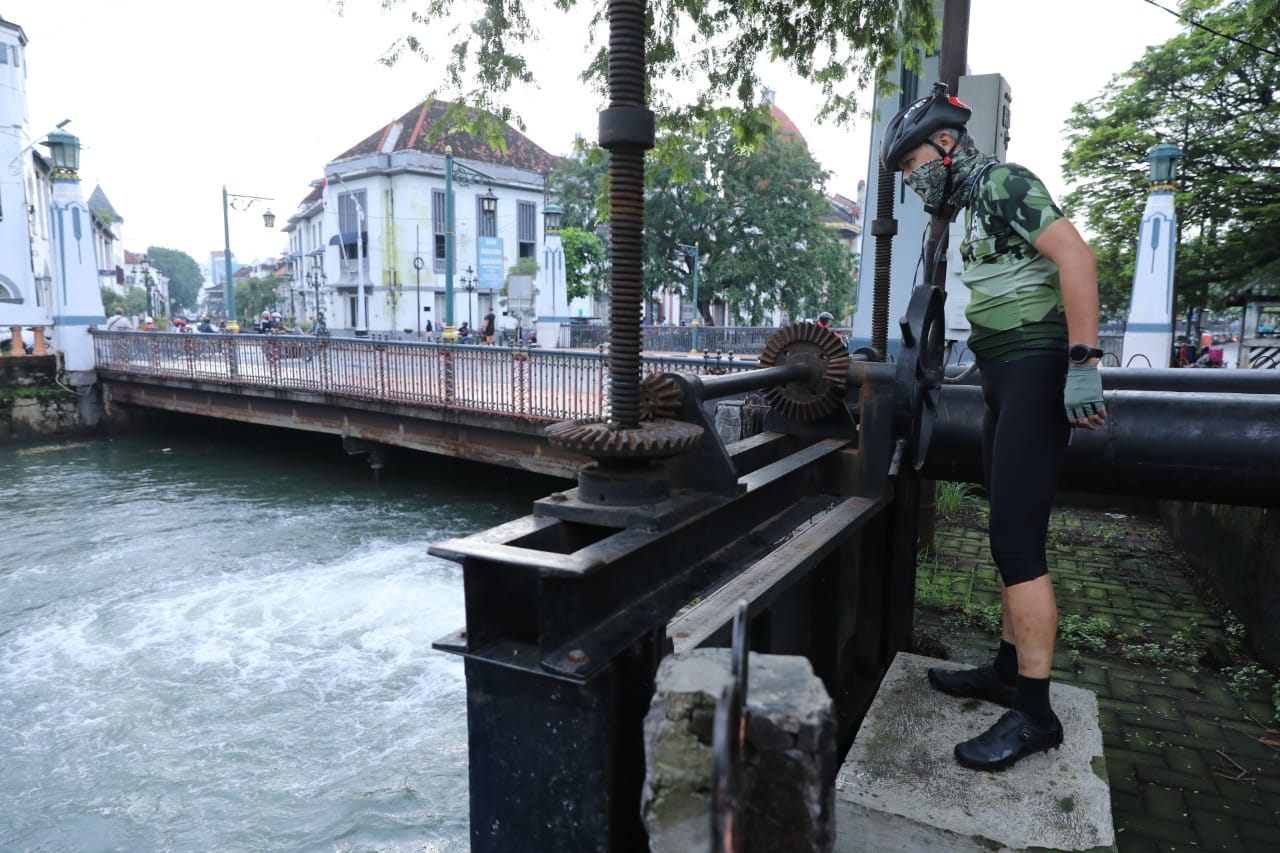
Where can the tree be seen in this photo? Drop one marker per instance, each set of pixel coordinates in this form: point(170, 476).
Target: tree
point(841, 44)
point(585, 263)
point(134, 300)
point(756, 217)
point(580, 185)
point(255, 295)
point(1215, 99)
point(185, 278)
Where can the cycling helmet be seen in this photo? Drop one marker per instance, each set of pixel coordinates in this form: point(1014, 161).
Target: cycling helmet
point(825, 318)
point(913, 126)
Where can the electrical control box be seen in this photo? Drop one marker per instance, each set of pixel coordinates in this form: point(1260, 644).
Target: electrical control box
point(989, 98)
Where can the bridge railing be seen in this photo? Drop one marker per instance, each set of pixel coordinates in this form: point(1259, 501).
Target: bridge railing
point(529, 383)
point(738, 339)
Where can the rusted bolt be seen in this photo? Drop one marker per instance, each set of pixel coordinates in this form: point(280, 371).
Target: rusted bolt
point(577, 656)
point(682, 635)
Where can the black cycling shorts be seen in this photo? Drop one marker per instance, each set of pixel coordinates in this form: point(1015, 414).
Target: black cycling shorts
point(1024, 439)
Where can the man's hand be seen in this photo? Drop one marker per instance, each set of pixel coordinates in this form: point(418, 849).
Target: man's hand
point(1083, 397)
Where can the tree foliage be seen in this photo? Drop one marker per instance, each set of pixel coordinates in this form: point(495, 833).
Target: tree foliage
point(133, 301)
point(715, 49)
point(185, 277)
point(255, 295)
point(1215, 98)
point(757, 218)
point(586, 265)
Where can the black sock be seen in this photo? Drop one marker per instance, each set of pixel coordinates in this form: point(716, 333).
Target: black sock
point(1006, 663)
point(1032, 699)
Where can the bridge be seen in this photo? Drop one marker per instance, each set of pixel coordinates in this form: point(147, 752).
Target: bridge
point(488, 404)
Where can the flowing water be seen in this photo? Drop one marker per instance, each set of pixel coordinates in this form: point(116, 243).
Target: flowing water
point(223, 642)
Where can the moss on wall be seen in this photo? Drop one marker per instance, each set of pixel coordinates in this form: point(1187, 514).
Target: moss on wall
point(1238, 548)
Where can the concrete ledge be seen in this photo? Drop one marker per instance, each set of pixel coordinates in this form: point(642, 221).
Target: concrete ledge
point(901, 789)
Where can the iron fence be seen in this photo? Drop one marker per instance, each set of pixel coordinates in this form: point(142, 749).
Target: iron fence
point(525, 383)
point(736, 339)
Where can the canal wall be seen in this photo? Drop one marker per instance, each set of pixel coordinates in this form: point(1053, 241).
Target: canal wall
point(1237, 549)
point(38, 400)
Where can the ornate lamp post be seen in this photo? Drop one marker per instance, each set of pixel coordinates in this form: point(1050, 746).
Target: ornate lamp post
point(287, 278)
point(150, 284)
point(316, 279)
point(268, 220)
point(469, 283)
point(489, 206)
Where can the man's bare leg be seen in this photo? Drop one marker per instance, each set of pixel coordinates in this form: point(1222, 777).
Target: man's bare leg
point(1031, 624)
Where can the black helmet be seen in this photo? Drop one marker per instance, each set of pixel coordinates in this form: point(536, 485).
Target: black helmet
point(913, 126)
point(825, 318)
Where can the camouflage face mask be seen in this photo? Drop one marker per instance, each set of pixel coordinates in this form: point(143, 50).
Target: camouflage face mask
point(929, 181)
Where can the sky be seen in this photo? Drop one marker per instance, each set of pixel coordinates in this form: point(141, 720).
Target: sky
point(172, 101)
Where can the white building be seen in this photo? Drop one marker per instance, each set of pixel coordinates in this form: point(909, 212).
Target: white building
point(376, 224)
point(49, 238)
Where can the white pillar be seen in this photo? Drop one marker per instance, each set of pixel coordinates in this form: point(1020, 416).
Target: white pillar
point(1148, 336)
point(77, 300)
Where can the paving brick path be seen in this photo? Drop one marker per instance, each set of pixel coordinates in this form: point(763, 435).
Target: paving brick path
point(1185, 738)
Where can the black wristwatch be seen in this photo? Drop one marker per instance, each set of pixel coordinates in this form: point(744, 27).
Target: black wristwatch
point(1079, 353)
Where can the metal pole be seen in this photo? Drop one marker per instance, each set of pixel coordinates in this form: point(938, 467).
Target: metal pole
point(696, 311)
point(230, 299)
point(417, 272)
point(449, 333)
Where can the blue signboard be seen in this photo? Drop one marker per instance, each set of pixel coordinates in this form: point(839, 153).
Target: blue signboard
point(489, 262)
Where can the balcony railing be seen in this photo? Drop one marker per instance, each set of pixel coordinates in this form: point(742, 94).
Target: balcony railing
point(533, 384)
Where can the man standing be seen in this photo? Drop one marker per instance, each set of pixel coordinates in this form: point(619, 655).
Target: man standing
point(487, 330)
point(119, 322)
point(1034, 319)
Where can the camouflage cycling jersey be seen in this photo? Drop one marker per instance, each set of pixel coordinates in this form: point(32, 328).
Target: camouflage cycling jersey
point(1016, 299)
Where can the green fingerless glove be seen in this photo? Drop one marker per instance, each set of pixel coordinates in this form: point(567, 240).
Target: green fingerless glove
point(1083, 394)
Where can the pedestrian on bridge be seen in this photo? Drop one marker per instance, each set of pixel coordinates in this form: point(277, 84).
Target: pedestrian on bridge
point(1033, 311)
point(488, 329)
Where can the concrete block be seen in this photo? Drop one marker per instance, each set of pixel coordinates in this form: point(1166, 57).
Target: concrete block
point(900, 787)
point(729, 422)
point(790, 754)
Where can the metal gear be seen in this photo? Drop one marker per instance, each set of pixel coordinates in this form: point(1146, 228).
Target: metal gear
point(828, 357)
point(601, 440)
point(660, 397)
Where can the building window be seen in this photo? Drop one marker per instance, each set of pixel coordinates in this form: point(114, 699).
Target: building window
point(438, 225)
point(527, 228)
point(488, 222)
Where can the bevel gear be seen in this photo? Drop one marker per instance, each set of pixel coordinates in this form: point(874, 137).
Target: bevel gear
point(601, 440)
point(660, 397)
point(827, 355)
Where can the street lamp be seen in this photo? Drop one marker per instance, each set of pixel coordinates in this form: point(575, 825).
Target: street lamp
point(268, 220)
point(287, 278)
point(692, 251)
point(149, 283)
point(316, 278)
point(469, 282)
point(488, 204)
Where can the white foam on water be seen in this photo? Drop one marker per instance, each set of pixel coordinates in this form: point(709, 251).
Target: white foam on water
point(271, 706)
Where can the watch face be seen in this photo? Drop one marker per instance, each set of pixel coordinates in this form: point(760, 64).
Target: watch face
point(1079, 353)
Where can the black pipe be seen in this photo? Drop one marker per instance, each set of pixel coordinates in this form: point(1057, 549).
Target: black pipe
point(1177, 380)
point(1215, 448)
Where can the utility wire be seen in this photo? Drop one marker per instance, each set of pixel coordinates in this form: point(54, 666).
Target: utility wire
point(1193, 22)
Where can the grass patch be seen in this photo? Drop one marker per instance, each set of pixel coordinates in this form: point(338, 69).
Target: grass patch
point(951, 496)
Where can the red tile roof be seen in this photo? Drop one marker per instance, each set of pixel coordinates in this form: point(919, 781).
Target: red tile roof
point(415, 134)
